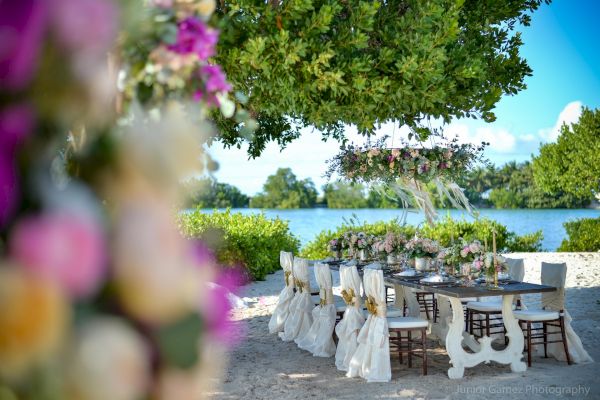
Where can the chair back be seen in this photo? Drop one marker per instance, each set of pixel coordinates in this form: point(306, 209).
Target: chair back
point(286, 260)
point(516, 268)
point(325, 282)
point(300, 272)
point(375, 292)
point(554, 275)
point(350, 282)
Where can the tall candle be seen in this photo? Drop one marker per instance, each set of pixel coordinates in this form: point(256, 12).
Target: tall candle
point(485, 244)
point(494, 243)
point(451, 238)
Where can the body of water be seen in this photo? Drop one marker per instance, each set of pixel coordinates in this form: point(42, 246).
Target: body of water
point(307, 223)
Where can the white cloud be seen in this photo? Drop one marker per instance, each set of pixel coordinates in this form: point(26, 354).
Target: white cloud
point(500, 139)
point(568, 115)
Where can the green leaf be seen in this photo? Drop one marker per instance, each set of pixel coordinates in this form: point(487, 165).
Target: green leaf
point(178, 342)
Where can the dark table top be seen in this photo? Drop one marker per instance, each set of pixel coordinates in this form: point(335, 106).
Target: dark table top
point(456, 290)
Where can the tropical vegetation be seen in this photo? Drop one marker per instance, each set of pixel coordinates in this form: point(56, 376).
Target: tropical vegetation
point(251, 241)
point(329, 64)
point(582, 235)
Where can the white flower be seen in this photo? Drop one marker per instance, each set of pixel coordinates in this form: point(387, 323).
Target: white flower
point(108, 360)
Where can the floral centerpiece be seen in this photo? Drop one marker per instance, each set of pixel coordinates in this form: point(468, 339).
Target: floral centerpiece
point(420, 249)
point(389, 245)
point(489, 267)
point(349, 239)
point(465, 258)
point(335, 246)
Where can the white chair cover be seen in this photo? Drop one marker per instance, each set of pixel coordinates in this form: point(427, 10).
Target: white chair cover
point(556, 275)
point(372, 357)
point(352, 321)
point(300, 319)
point(282, 309)
point(319, 338)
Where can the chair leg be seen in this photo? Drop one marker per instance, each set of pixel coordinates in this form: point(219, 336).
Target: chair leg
point(545, 331)
point(529, 344)
point(487, 324)
point(564, 339)
point(409, 350)
point(470, 318)
point(423, 342)
point(399, 333)
point(434, 310)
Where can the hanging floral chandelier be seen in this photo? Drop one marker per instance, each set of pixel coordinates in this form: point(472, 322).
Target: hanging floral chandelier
point(408, 169)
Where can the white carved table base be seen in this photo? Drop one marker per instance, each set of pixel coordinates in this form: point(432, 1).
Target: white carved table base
point(483, 351)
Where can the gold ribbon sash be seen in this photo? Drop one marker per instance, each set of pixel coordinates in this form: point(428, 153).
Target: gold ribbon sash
point(371, 305)
point(349, 297)
point(287, 275)
point(300, 285)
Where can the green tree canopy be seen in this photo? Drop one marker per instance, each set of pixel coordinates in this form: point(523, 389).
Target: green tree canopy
point(208, 193)
point(572, 164)
point(344, 195)
point(330, 63)
point(284, 190)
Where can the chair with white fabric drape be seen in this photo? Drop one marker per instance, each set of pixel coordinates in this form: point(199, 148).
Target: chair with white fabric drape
point(555, 321)
point(282, 309)
point(353, 319)
point(371, 360)
point(319, 338)
point(300, 319)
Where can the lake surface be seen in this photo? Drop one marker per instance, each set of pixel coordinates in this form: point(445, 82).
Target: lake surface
point(307, 223)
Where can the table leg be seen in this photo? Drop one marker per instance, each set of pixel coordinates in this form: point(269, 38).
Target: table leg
point(483, 351)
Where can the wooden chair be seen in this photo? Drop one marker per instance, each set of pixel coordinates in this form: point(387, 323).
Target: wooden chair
point(551, 315)
point(486, 316)
point(398, 327)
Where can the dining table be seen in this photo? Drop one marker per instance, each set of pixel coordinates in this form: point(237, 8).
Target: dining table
point(464, 350)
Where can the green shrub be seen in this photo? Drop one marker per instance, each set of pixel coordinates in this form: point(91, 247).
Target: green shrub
point(251, 240)
point(481, 229)
point(582, 235)
point(442, 231)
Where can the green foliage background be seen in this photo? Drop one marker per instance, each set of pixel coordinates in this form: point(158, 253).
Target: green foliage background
point(284, 190)
point(250, 240)
point(583, 235)
point(333, 63)
point(572, 164)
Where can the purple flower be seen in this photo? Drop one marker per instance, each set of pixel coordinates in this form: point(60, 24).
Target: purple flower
point(22, 27)
point(195, 37)
point(214, 79)
point(16, 123)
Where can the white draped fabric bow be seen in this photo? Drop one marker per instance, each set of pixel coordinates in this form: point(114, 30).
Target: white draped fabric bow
point(318, 340)
point(282, 310)
point(352, 321)
point(372, 357)
point(300, 319)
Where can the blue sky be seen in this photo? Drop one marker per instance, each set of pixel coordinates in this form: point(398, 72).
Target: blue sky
point(561, 46)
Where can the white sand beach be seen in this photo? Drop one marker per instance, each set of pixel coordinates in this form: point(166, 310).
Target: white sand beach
point(264, 367)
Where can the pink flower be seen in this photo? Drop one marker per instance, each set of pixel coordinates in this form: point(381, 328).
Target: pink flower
point(195, 37)
point(22, 27)
point(87, 26)
point(162, 3)
point(16, 123)
point(65, 247)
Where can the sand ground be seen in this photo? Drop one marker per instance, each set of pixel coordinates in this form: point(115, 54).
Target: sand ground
point(264, 367)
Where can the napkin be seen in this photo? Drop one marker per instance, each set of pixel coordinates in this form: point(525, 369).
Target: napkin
point(408, 272)
point(433, 279)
